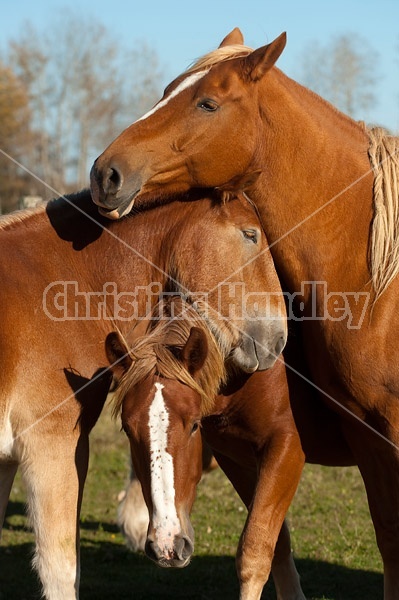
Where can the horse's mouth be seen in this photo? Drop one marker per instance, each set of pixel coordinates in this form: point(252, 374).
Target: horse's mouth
point(120, 211)
point(172, 563)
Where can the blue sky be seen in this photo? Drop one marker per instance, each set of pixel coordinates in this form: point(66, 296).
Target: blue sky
point(181, 31)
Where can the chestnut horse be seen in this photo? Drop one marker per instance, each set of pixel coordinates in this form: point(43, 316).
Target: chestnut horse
point(68, 278)
point(250, 426)
point(326, 189)
point(168, 382)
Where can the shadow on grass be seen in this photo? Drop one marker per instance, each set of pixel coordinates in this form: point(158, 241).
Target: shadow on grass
point(110, 571)
point(17, 581)
point(334, 582)
point(15, 509)
point(86, 525)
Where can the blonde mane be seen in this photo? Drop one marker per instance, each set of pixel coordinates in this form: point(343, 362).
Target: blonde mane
point(156, 351)
point(219, 55)
point(384, 242)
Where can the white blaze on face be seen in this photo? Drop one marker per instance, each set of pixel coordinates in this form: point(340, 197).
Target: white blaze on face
point(183, 85)
point(165, 520)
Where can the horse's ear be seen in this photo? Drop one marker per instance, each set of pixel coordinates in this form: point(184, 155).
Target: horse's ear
point(263, 59)
point(232, 38)
point(195, 351)
point(117, 353)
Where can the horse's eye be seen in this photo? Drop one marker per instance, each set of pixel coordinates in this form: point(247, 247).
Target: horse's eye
point(251, 234)
point(195, 427)
point(126, 429)
point(208, 105)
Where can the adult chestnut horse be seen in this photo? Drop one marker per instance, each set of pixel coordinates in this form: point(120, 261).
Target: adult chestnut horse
point(326, 189)
point(68, 278)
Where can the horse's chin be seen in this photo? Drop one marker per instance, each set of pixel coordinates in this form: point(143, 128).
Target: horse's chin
point(258, 355)
point(113, 214)
point(248, 363)
point(117, 213)
point(172, 564)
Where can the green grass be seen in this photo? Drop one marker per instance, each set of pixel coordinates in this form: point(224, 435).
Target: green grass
point(331, 530)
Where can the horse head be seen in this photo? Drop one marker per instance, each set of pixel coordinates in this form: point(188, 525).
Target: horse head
point(203, 132)
point(227, 256)
point(167, 383)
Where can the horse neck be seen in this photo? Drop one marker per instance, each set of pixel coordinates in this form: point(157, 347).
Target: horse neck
point(128, 254)
point(132, 265)
point(113, 258)
point(316, 185)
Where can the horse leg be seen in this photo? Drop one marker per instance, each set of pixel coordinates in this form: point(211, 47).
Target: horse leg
point(7, 474)
point(280, 469)
point(267, 497)
point(285, 575)
point(378, 462)
point(54, 472)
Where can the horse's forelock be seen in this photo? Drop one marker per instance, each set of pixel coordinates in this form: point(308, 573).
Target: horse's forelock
point(219, 55)
point(154, 352)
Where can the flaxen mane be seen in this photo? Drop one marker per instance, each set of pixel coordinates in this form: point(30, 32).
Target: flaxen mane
point(384, 244)
point(220, 55)
point(157, 350)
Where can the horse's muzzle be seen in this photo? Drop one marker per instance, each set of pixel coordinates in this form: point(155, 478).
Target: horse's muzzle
point(260, 346)
point(179, 557)
point(109, 193)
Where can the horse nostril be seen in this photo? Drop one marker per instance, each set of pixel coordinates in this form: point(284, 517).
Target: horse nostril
point(184, 548)
point(279, 345)
point(151, 550)
point(112, 181)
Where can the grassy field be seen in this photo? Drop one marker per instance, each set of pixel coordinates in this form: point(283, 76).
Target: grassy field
point(332, 537)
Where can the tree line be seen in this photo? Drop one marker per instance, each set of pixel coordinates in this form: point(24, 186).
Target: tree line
point(67, 91)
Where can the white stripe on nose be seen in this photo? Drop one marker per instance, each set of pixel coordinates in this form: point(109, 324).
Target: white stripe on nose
point(183, 85)
point(165, 520)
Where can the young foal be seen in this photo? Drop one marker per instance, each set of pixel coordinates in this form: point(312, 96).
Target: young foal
point(168, 383)
point(248, 418)
point(68, 278)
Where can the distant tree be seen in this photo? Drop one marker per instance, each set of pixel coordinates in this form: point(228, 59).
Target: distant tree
point(342, 71)
point(15, 137)
point(83, 88)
